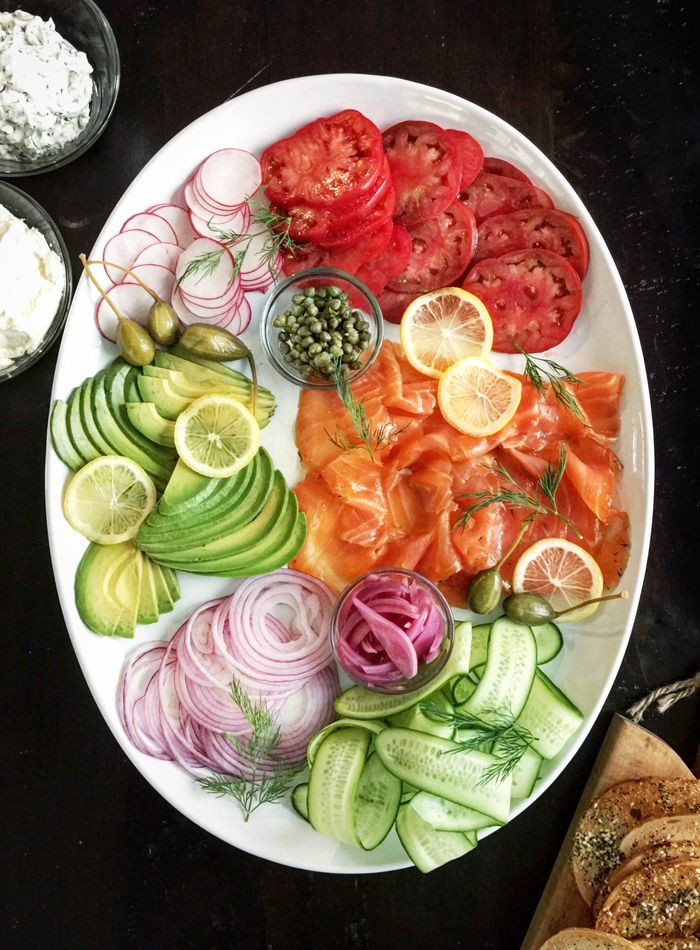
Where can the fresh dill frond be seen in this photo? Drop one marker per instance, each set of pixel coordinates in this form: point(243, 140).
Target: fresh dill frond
point(513, 495)
point(543, 372)
point(202, 266)
point(496, 729)
point(261, 746)
point(371, 437)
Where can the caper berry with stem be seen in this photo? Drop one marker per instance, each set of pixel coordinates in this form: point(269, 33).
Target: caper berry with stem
point(162, 323)
point(533, 609)
point(134, 343)
point(486, 589)
point(220, 345)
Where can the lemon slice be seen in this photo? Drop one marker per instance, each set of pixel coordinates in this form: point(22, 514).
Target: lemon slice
point(563, 573)
point(476, 398)
point(216, 435)
point(107, 499)
point(441, 327)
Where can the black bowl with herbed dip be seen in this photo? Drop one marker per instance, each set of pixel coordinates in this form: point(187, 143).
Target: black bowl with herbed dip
point(58, 84)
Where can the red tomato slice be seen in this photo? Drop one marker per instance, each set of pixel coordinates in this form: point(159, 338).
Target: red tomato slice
point(344, 258)
point(393, 304)
point(471, 155)
point(496, 194)
point(370, 222)
point(331, 161)
point(533, 297)
point(425, 169)
point(499, 166)
point(442, 249)
point(313, 224)
point(390, 263)
point(546, 228)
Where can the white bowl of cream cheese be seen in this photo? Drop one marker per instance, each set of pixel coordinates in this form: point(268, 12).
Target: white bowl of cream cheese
point(36, 285)
point(59, 78)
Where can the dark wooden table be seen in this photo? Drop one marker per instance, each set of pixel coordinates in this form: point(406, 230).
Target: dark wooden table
point(91, 855)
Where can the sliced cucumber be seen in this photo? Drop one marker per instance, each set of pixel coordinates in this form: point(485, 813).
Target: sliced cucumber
point(511, 662)
point(415, 718)
point(360, 703)
point(480, 644)
point(300, 800)
point(427, 848)
point(376, 804)
point(550, 716)
point(525, 774)
point(408, 791)
point(333, 784)
point(549, 641)
point(60, 439)
point(461, 689)
point(442, 768)
point(372, 725)
point(446, 816)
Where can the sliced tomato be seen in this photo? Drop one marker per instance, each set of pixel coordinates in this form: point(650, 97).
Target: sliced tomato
point(471, 155)
point(496, 194)
point(546, 228)
point(370, 222)
point(393, 304)
point(425, 168)
point(499, 166)
point(533, 297)
point(344, 258)
point(390, 263)
point(331, 161)
point(309, 223)
point(442, 249)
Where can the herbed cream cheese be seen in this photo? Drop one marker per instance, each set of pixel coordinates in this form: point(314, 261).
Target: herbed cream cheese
point(45, 87)
point(32, 279)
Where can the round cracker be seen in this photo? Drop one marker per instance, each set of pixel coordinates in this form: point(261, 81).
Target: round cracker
point(658, 901)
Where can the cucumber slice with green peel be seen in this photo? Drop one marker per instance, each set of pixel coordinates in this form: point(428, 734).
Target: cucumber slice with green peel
point(300, 800)
point(87, 418)
point(165, 601)
point(525, 773)
point(440, 767)
point(549, 640)
point(480, 644)
point(76, 432)
point(148, 611)
point(427, 848)
point(549, 716)
point(61, 441)
point(461, 689)
point(408, 792)
point(376, 804)
point(416, 718)
point(145, 417)
point(446, 816)
point(333, 784)
point(511, 663)
point(372, 725)
point(360, 703)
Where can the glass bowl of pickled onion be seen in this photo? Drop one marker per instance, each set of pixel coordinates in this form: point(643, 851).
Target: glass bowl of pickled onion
point(392, 630)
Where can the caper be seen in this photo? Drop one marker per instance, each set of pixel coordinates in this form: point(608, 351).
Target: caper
point(134, 343)
point(213, 343)
point(531, 609)
point(162, 323)
point(485, 591)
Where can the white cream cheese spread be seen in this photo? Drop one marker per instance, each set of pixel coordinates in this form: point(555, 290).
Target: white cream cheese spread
point(45, 87)
point(32, 279)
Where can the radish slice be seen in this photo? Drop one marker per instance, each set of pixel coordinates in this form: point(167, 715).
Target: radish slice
point(208, 309)
point(183, 312)
point(233, 293)
point(179, 220)
point(207, 202)
point(203, 211)
point(164, 254)
point(229, 177)
point(188, 314)
point(244, 314)
point(208, 283)
point(158, 278)
point(153, 223)
point(123, 249)
point(237, 224)
point(132, 301)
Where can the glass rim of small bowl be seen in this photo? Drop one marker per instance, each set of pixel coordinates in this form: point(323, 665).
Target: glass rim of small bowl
point(25, 168)
point(420, 680)
point(287, 370)
point(34, 216)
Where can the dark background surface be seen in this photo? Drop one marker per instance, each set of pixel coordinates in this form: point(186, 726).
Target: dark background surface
point(92, 856)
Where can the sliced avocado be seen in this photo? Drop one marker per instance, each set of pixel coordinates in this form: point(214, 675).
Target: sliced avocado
point(158, 391)
point(158, 372)
point(107, 585)
point(165, 601)
point(172, 583)
point(145, 417)
point(116, 381)
point(88, 421)
point(276, 559)
point(177, 355)
point(185, 489)
point(199, 528)
point(217, 554)
point(60, 439)
point(77, 433)
point(148, 611)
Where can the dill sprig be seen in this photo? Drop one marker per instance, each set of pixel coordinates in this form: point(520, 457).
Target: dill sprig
point(553, 374)
point(495, 728)
point(202, 266)
point(370, 436)
point(260, 788)
point(542, 501)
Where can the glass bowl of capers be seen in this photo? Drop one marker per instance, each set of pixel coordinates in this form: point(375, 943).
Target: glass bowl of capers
point(319, 324)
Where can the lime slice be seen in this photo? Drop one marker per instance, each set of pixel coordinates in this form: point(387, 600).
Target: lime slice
point(216, 435)
point(107, 499)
